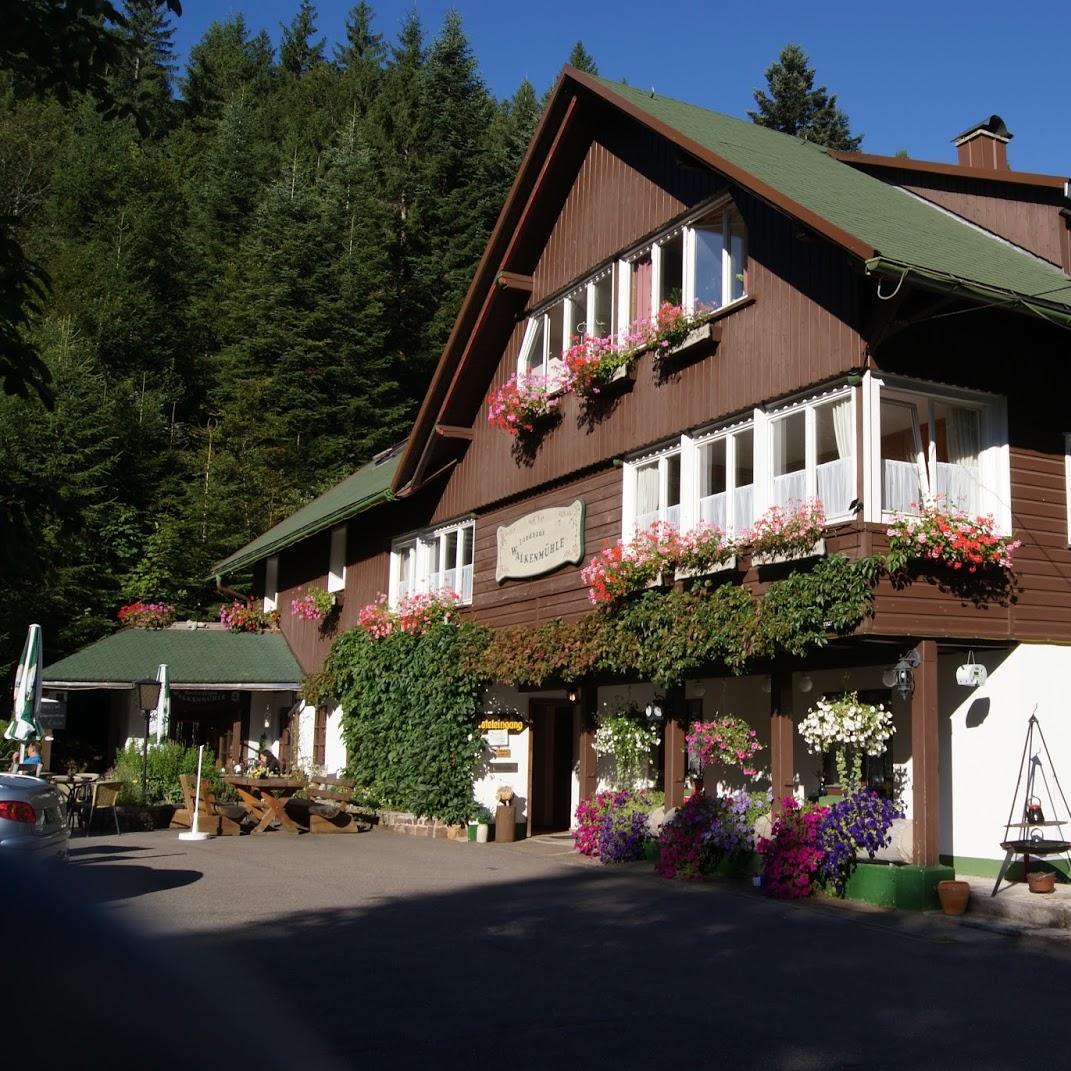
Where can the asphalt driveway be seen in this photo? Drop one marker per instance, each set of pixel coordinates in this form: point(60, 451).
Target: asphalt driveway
point(382, 951)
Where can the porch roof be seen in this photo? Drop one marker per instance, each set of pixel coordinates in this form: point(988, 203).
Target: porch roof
point(363, 489)
point(194, 657)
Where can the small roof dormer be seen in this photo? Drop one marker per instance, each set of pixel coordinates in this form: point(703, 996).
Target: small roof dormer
point(984, 144)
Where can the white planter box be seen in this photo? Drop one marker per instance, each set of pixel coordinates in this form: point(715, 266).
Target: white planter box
point(691, 574)
point(816, 551)
point(695, 337)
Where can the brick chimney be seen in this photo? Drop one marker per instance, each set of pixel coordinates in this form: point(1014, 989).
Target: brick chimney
point(984, 145)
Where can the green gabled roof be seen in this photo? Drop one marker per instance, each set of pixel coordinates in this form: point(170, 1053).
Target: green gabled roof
point(367, 487)
point(193, 656)
point(902, 231)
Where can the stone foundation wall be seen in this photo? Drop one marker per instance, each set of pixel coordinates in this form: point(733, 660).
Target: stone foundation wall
point(404, 822)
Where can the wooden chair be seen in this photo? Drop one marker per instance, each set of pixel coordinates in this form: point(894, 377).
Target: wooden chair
point(330, 809)
point(224, 820)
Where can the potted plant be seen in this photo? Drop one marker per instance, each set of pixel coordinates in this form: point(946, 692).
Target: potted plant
point(482, 818)
point(314, 604)
point(850, 729)
point(625, 735)
point(520, 404)
point(954, 896)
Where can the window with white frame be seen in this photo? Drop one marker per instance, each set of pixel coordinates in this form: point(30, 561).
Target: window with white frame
point(336, 568)
point(812, 454)
point(927, 441)
point(439, 559)
point(699, 264)
point(1067, 481)
point(587, 312)
point(655, 490)
point(727, 479)
point(929, 449)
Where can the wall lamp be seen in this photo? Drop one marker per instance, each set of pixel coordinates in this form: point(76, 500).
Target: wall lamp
point(902, 676)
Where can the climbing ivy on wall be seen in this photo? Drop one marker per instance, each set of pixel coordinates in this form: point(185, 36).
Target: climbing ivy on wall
point(409, 702)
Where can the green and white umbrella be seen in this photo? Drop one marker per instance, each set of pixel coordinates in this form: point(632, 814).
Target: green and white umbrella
point(24, 724)
point(163, 706)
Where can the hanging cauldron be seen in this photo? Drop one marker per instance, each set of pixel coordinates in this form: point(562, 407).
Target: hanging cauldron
point(1034, 814)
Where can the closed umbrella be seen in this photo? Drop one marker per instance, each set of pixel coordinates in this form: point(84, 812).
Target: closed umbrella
point(24, 724)
point(163, 707)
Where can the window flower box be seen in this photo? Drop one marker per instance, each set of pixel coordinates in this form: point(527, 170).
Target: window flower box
point(799, 554)
point(695, 339)
point(727, 566)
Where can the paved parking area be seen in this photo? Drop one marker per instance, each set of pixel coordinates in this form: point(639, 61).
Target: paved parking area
point(382, 951)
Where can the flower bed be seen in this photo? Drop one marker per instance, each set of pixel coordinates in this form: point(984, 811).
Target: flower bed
point(519, 404)
point(613, 826)
point(951, 538)
point(706, 831)
point(146, 614)
point(817, 847)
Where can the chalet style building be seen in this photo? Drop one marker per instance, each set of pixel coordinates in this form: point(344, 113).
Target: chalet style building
point(884, 330)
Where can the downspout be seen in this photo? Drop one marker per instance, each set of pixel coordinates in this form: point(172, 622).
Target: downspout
point(245, 599)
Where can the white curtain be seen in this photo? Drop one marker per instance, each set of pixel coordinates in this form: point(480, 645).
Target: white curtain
point(836, 478)
point(900, 486)
point(790, 488)
point(712, 509)
point(743, 507)
point(646, 495)
point(957, 480)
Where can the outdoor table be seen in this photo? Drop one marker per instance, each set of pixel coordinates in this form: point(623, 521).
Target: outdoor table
point(264, 798)
point(79, 790)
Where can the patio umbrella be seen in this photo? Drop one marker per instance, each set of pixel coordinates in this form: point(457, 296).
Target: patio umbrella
point(163, 707)
point(24, 724)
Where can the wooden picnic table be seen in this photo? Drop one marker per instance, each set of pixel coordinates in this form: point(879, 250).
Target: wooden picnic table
point(264, 798)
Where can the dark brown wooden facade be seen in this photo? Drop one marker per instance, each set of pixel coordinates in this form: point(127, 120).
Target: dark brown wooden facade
point(812, 316)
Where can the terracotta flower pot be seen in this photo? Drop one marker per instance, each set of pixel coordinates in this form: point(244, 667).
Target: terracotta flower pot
point(1042, 881)
point(953, 896)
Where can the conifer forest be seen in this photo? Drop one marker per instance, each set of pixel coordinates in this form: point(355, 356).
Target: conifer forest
point(247, 286)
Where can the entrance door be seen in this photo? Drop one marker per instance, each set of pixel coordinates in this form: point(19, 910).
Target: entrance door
point(553, 756)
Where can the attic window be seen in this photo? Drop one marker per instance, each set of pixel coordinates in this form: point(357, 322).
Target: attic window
point(701, 264)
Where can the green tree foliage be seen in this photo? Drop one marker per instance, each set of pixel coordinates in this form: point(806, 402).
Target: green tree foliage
point(794, 106)
point(237, 293)
point(582, 59)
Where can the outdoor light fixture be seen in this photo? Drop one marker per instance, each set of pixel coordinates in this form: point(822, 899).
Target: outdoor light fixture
point(654, 710)
point(148, 691)
point(888, 678)
point(806, 684)
point(572, 695)
point(766, 684)
point(905, 677)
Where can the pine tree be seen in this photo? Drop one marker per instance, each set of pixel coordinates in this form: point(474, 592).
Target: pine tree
point(298, 54)
point(582, 59)
point(144, 81)
point(795, 107)
point(361, 59)
point(225, 62)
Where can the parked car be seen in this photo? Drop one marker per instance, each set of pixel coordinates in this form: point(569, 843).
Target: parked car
point(33, 818)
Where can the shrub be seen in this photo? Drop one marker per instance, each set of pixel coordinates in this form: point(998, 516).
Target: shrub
point(612, 826)
point(166, 762)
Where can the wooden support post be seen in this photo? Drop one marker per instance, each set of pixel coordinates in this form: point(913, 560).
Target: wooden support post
point(587, 759)
point(675, 766)
point(925, 786)
point(782, 743)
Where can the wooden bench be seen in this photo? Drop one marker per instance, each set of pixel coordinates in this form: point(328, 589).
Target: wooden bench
point(330, 807)
point(221, 819)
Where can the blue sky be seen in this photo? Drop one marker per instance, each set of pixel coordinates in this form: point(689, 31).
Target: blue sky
point(909, 74)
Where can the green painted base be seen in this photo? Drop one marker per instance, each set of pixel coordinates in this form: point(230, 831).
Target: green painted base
point(913, 888)
point(739, 866)
point(989, 868)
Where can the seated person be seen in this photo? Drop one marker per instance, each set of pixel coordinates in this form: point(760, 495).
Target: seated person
point(33, 755)
point(267, 760)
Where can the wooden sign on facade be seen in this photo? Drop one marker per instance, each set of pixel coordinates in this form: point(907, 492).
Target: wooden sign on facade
point(540, 542)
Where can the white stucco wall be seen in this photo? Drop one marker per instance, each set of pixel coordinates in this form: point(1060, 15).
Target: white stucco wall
point(983, 731)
